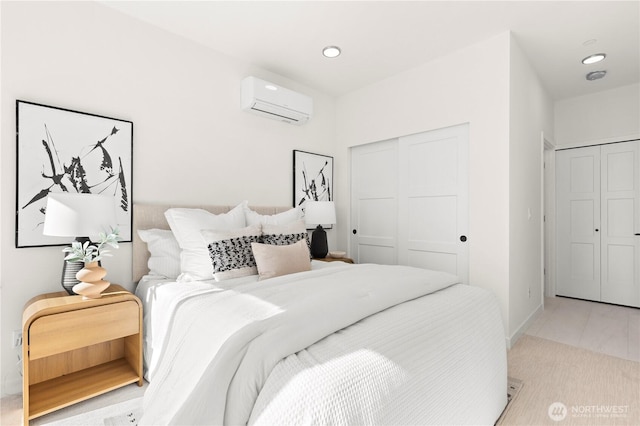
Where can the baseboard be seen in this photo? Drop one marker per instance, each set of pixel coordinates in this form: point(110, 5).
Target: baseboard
point(12, 386)
point(524, 326)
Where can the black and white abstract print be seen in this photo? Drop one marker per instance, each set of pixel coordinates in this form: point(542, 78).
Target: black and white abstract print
point(312, 177)
point(61, 150)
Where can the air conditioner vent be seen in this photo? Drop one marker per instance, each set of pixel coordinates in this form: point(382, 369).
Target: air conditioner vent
point(272, 101)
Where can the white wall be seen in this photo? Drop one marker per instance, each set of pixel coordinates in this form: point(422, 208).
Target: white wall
point(531, 114)
point(192, 143)
point(470, 85)
point(607, 116)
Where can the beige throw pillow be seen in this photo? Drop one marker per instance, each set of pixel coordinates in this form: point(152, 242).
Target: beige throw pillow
point(274, 261)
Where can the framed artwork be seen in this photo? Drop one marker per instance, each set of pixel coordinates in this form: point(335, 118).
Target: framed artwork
point(60, 150)
point(312, 177)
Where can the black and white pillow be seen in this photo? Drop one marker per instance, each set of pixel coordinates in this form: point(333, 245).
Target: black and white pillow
point(284, 235)
point(230, 252)
point(285, 239)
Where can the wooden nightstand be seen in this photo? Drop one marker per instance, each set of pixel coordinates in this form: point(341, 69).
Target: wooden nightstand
point(75, 349)
point(334, 259)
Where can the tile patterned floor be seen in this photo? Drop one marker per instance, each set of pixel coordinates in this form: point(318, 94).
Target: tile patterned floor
point(609, 329)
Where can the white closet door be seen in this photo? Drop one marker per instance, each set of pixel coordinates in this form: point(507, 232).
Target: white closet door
point(620, 280)
point(374, 187)
point(433, 201)
point(578, 222)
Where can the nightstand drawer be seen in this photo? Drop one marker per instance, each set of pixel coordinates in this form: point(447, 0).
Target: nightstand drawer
point(62, 332)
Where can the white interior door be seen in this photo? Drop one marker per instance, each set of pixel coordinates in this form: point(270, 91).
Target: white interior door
point(433, 201)
point(578, 222)
point(374, 191)
point(620, 279)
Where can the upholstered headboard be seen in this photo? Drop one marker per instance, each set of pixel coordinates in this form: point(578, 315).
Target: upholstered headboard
point(149, 216)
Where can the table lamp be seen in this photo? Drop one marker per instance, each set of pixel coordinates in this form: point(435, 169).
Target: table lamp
point(81, 216)
point(319, 213)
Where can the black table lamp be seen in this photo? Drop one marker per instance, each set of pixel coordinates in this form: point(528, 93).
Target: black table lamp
point(319, 213)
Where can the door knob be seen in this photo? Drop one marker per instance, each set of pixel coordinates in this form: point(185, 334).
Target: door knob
point(638, 235)
point(463, 238)
point(354, 232)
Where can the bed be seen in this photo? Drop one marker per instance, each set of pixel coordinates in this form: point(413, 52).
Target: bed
point(332, 343)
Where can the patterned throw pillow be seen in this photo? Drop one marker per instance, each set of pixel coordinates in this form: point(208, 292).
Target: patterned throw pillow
point(230, 251)
point(233, 257)
point(285, 239)
point(284, 235)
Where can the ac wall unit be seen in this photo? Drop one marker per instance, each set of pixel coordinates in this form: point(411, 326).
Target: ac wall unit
point(276, 102)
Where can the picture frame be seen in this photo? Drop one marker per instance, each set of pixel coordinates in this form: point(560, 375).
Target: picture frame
point(62, 150)
point(312, 178)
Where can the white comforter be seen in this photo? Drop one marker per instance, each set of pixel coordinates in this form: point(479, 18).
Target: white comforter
point(248, 354)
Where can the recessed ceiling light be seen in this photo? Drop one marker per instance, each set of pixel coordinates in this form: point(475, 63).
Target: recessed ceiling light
point(596, 75)
point(331, 51)
point(271, 87)
point(592, 59)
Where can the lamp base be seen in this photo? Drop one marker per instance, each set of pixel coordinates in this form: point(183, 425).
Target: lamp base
point(319, 246)
point(69, 271)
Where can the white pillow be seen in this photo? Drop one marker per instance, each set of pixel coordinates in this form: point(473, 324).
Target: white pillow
point(289, 216)
point(274, 261)
point(230, 251)
point(186, 224)
point(293, 227)
point(165, 252)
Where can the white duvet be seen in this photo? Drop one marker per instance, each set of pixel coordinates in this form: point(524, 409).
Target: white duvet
point(357, 344)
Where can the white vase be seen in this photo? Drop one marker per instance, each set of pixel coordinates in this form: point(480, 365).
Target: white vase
point(91, 283)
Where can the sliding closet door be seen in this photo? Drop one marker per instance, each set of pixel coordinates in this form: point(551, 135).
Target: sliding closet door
point(433, 201)
point(578, 222)
point(374, 193)
point(409, 201)
point(620, 165)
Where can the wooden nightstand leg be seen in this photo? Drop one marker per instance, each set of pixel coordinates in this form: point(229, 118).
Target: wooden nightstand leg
point(25, 376)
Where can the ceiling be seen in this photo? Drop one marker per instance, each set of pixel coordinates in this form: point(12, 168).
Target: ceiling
point(382, 38)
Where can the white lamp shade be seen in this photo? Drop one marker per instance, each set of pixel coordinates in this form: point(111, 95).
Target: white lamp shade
point(79, 215)
point(320, 212)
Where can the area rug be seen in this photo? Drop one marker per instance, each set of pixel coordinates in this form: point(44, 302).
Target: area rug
point(129, 417)
point(130, 411)
point(513, 389)
point(556, 384)
point(566, 385)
